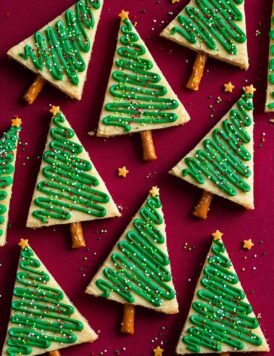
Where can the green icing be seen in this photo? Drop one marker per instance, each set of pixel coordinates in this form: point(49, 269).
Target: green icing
point(38, 315)
point(139, 98)
point(139, 266)
point(69, 184)
point(8, 144)
point(271, 63)
point(220, 314)
point(60, 48)
point(223, 156)
point(212, 21)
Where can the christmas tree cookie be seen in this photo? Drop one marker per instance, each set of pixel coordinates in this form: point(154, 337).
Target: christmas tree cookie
point(222, 162)
point(137, 271)
point(138, 97)
point(42, 318)
point(60, 51)
point(269, 105)
point(211, 28)
point(220, 319)
point(68, 189)
point(8, 150)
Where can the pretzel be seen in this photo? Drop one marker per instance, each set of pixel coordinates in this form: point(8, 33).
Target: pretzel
point(35, 89)
point(128, 319)
point(148, 146)
point(197, 71)
point(77, 236)
point(203, 206)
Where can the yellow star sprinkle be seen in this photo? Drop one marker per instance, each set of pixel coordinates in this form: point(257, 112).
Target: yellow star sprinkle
point(174, 1)
point(23, 243)
point(249, 89)
point(154, 191)
point(124, 15)
point(158, 351)
point(229, 87)
point(16, 122)
point(54, 110)
point(217, 235)
point(122, 172)
point(248, 244)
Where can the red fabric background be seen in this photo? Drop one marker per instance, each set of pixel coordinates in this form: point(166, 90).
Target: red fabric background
point(74, 269)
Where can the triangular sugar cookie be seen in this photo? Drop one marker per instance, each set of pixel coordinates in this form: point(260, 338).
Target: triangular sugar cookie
point(137, 271)
point(138, 96)
point(8, 151)
point(42, 317)
point(61, 50)
point(269, 105)
point(221, 318)
point(68, 188)
point(222, 162)
point(216, 28)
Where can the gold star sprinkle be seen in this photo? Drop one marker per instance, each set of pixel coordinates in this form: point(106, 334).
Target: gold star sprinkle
point(23, 243)
point(158, 351)
point(122, 172)
point(16, 122)
point(249, 89)
point(154, 191)
point(124, 15)
point(229, 87)
point(54, 110)
point(174, 1)
point(217, 235)
point(248, 244)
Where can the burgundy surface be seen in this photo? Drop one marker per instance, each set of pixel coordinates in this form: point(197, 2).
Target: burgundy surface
point(74, 269)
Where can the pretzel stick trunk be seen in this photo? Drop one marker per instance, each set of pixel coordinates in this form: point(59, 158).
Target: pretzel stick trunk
point(54, 353)
point(77, 235)
point(149, 153)
point(202, 208)
point(35, 89)
point(128, 319)
point(197, 71)
point(225, 353)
